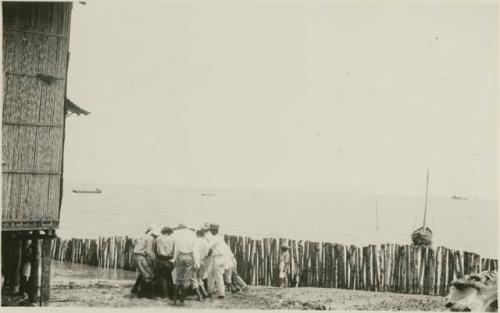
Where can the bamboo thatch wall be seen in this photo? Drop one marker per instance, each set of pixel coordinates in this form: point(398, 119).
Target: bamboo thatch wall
point(35, 56)
point(385, 267)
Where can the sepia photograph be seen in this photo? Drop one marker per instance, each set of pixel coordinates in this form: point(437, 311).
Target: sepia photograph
point(250, 154)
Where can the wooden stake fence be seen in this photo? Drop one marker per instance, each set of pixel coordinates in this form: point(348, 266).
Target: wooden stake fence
point(385, 267)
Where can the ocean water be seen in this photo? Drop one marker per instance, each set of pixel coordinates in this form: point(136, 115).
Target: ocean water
point(351, 219)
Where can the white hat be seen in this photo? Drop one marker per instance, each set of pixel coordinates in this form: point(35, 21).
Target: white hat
point(153, 229)
point(183, 226)
point(150, 228)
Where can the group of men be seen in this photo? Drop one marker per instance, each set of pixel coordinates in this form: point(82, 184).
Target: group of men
point(172, 262)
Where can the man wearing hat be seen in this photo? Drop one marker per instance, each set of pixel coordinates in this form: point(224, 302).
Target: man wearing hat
point(164, 251)
point(186, 261)
point(202, 247)
point(144, 259)
point(219, 256)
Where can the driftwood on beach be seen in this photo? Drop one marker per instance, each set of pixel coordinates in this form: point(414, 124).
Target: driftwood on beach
point(384, 267)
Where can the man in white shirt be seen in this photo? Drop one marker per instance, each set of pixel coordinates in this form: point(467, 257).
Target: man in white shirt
point(164, 250)
point(186, 259)
point(221, 256)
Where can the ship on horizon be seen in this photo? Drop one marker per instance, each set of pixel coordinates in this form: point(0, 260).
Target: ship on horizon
point(97, 190)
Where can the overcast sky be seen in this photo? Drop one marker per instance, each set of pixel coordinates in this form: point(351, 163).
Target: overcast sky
point(351, 97)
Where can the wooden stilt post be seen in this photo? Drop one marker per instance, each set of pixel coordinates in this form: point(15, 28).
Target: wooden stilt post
point(45, 292)
point(16, 263)
point(33, 281)
point(24, 259)
point(6, 262)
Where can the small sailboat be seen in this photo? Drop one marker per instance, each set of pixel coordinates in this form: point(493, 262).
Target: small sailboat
point(422, 236)
point(97, 190)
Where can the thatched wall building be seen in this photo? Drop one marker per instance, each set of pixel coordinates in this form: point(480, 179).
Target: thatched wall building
point(35, 64)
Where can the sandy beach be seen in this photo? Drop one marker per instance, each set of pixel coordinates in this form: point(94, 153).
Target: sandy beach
point(93, 287)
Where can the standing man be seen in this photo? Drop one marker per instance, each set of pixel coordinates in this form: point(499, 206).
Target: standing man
point(202, 247)
point(284, 266)
point(144, 260)
point(218, 252)
point(164, 250)
point(208, 260)
point(187, 261)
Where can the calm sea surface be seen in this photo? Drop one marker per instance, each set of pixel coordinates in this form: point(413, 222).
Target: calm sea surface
point(126, 210)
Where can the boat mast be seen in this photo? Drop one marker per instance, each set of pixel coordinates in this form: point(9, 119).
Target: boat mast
point(426, 193)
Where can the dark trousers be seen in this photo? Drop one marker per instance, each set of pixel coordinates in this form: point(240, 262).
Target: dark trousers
point(137, 285)
point(143, 288)
point(23, 287)
point(163, 277)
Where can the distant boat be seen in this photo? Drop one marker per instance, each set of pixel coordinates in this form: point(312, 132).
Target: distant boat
point(97, 190)
point(422, 236)
point(207, 195)
point(455, 197)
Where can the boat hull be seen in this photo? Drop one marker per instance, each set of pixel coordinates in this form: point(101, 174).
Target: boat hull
point(87, 191)
point(422, 236)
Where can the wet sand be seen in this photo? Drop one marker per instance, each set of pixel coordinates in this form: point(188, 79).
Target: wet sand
point(86, 286)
